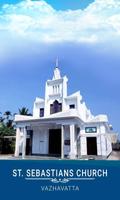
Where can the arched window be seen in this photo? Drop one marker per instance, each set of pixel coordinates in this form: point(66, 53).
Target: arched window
point(55, 107)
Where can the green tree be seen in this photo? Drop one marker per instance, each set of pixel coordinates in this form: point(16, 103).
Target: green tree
point(7, 114)
point(8, 119)
point(6, 129)
point(1, 118)
point(24, 111)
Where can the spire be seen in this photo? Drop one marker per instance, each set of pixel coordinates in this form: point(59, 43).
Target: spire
point(56, 70)
point(57, 63)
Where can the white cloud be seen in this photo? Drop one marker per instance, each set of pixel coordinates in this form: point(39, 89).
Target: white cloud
point(37, 20)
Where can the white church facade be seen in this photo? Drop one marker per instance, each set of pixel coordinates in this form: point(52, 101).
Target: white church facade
point(62, 126)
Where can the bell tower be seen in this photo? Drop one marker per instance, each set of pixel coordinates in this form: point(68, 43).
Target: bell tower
point(55, 92)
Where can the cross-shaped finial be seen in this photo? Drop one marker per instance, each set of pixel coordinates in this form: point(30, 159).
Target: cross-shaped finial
point(57, 62)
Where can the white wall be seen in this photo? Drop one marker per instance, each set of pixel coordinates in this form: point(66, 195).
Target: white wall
point(36, 108)
point(103, 145)
point(99, 147)
point(83, 145)
point(68, 102)
point(109, 146)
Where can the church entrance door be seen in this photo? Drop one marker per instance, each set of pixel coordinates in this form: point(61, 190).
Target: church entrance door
point(91, 146)
point(55, 142)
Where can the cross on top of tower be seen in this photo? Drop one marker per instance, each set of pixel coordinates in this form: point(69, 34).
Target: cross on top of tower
point(57, 63)
point(56, 70)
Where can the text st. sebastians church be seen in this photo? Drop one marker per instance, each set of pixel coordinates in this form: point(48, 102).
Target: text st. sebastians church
point(62, 125)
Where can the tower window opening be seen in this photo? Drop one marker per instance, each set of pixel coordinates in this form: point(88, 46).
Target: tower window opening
point(55, 107)
point(41, 112)
point(72, 106)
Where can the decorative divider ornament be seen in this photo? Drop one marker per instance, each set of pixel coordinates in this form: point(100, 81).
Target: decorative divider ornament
point(64, 180)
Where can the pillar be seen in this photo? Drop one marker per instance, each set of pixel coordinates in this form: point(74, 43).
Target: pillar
point(24, 143)
point(72, 142)
point(17, 142)
point(62, 142)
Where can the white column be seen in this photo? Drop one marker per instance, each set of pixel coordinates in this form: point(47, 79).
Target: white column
point(24, 143)
point(62, 142)
point(72, 142)
point(17, 142)
point(83, 144)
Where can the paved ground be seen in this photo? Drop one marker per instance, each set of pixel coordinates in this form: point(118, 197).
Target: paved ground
point(115, 155)
point(11, 157)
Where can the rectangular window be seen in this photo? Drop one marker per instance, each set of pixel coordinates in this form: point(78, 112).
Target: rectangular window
point(91, 130)
point(67, 142)
point(72, 106)
point(41, 112)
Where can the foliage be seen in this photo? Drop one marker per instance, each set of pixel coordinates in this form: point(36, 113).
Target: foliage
point(7, 128)
point(24, 111)
point(7, 145)
point(6, 124)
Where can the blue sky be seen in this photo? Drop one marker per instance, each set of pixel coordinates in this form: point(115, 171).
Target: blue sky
point(59, 4)
point(87, 42)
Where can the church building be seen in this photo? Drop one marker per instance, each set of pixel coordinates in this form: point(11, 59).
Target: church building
point(62, 126)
